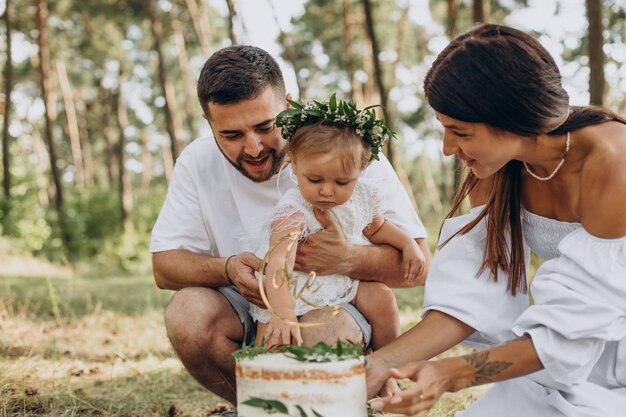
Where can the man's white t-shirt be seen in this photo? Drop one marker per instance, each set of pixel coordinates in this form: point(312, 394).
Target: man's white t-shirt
point(211, 208)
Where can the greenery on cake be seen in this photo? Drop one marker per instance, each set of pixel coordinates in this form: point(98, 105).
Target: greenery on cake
point(273, 406)
point(321, 352)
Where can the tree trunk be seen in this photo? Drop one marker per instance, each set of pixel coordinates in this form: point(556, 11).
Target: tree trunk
point(451, 21)
point(348, 24)
point(378, 73)
point(103, 98)
point(125, 195)
point(44, 72)
point(72, 124)
point(83, 134)
point(44, 186)
point(290, 53)
point(403, 25)
point(8, 88)
point(449, 189)
point(481, 11)
point(166, 86)
point(183, 63)
point(429, 182)
point(49, 116)
point(168, 163)
point(596, 53)
point(146, 163)
point(232, 12)
point(199, 20)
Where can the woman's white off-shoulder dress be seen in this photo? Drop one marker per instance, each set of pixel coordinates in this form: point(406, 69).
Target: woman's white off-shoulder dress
point(577, 320)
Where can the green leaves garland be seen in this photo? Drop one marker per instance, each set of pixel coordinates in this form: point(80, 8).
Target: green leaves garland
point(321, 352)
point(372, 130)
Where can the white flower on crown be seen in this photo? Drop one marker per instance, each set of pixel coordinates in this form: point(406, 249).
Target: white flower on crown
point(361, 119)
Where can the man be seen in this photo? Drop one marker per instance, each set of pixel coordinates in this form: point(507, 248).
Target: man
point(221, 195)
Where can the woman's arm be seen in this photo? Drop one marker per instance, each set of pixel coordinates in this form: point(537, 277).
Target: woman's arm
point(514, 359)
point(435, 334)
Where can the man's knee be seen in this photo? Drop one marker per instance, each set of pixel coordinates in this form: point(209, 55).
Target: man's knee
point(201, 315)
point(330, 328)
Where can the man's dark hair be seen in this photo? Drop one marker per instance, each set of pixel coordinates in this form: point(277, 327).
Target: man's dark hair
point(238, 73)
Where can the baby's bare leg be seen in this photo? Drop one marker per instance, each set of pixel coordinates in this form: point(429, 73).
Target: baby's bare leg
point(377, 303)
point(260, 332)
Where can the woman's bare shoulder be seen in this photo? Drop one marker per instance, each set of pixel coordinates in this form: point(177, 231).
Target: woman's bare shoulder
point(603, 182)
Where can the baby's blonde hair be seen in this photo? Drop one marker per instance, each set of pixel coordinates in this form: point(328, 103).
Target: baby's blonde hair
point(319, 138)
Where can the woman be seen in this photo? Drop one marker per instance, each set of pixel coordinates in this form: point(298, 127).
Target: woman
point(544, 176)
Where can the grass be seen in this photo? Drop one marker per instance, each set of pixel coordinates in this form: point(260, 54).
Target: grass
point(77, 346)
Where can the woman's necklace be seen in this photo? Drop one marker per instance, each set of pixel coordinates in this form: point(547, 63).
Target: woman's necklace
point(532, 174)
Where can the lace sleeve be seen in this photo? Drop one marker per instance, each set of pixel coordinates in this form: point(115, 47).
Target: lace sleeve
point(294, 212)
point(374, 197)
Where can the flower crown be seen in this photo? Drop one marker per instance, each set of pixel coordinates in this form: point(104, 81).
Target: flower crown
point(373, 131)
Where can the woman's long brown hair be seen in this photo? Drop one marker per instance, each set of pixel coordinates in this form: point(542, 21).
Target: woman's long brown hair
point(504, 78)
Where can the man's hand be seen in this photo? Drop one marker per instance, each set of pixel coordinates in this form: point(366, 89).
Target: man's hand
point(240, 270)
point(325, 252)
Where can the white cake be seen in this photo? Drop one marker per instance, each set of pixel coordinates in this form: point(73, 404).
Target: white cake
point(332, 389)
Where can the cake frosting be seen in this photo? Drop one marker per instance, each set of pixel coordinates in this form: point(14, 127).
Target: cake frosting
point(330, 389)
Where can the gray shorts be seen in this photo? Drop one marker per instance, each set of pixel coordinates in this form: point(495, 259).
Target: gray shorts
point(242, 307)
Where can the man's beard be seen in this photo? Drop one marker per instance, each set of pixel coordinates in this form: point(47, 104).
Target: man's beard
point(277, 161)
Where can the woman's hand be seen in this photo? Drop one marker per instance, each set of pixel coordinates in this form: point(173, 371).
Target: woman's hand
point(376, 375)
point(432, 380)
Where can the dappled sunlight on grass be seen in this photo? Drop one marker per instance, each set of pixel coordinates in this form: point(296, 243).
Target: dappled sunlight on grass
point(76, 346)
point(105, 354)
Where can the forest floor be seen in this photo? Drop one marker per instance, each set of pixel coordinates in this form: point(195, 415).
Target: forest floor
point(96, 346)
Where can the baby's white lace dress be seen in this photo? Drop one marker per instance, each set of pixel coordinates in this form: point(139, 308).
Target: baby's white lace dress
point(353, 217)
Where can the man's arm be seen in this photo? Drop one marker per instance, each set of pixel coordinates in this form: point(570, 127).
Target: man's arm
point(176, 269)
point(327, 252)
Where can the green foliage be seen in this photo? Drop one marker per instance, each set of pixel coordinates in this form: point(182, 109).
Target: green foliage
point(80, 296)
point(321, 352)
point(269, 406)
point(251, 351)
point(272, 407)
point(372, 129)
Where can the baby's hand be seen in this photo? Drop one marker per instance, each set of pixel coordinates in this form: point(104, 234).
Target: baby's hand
point(282, 330)
point(413, 261)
